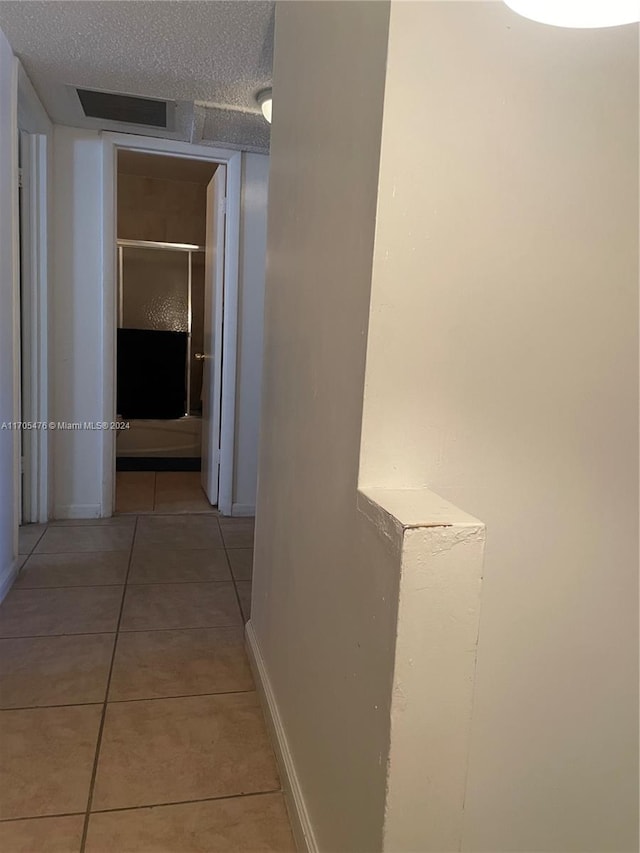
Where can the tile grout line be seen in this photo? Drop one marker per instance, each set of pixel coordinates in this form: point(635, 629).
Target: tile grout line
point(240, 796)
point(111, 585)
point(178, 513)
point(96, 758)
point(5, 820)
point(181, 696)
point(235, 584)
point(73, 586)
point(123, 631)
point(45, 636)
point(140, 548)
point(251, 548)
point(126, 701)
point(34, 546)
point(68, 554)
point(39, 539)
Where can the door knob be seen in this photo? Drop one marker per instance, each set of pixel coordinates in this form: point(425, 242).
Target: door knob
point(199, 356)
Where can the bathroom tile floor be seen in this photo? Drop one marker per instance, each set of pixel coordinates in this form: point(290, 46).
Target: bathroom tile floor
point(130, 722)
point(160, 491)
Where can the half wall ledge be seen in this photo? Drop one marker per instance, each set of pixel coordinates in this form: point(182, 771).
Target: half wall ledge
point(392, 511)
point(437, 552)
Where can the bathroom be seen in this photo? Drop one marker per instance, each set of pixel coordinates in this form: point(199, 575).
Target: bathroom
point(161, 224)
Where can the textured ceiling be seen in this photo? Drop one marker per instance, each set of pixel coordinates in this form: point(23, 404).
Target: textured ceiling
point(216, 54)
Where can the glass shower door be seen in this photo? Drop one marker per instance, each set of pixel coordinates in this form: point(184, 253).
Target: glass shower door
point(154, 290)
point(154, 341)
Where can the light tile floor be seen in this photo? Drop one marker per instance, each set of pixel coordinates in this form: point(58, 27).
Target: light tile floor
point(130, 720)
point(161, 491)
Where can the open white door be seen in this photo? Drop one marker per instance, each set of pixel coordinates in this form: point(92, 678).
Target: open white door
point(213, 311)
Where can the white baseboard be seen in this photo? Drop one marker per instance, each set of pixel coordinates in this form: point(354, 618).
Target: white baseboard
point(243, 510)
point(298, 814)
point(7, 581)
point(70, 511)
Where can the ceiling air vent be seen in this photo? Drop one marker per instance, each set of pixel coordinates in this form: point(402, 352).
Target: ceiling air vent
point(111, 106)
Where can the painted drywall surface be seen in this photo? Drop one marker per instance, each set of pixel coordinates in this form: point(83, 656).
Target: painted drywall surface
point(324, 596)
point(502, 371)
point(76, 315)
point(76, 323)
point(435, 663)
point(253, 245)
point(438, 552)
point(8, 309)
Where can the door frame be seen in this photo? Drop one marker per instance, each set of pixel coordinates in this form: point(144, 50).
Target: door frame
point(213, 329)
point(31, 300)
point(33, 327)
point(112, 143)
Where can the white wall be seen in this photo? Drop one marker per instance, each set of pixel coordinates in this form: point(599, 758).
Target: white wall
point(502, 372)
point(253, 245)
point(324, 593)
point(8, 310)
point(439, 555)
point(76, 314)
point(77, 321)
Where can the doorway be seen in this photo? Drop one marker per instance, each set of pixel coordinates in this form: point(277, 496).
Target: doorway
point(166, 251)
point(161, 235)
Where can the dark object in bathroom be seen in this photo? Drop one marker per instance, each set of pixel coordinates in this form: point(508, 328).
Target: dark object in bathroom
point(151, 374)
point(158, 463)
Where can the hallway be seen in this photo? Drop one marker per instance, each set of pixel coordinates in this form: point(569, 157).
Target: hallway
point(124, 684)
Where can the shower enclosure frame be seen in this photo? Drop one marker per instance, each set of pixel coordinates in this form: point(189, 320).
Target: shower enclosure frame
point(112, 143)
point(190, 249)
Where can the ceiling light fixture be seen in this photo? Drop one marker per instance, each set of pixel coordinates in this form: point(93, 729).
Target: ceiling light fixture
point(581, 14)
point(264, 99)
